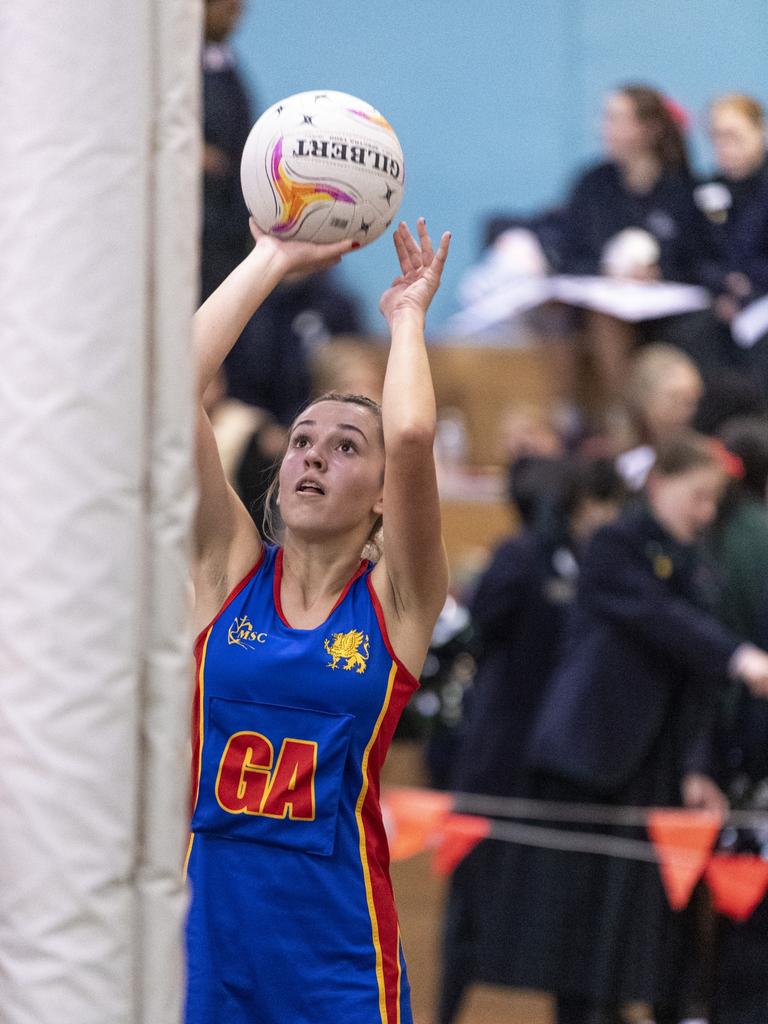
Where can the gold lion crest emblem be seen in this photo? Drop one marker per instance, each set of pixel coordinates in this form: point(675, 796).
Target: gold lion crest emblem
point(344, 647)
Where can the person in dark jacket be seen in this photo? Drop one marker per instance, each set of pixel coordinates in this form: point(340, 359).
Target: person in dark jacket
point(735, 203)
point(518, 613)
point(644, 184)
point(226, 123)
point(270, 364)
point(740, 546)
point(621, 723)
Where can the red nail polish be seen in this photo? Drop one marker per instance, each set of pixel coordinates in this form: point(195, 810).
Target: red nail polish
point(355, 245)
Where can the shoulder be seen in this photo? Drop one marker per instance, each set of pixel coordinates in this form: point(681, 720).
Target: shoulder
point(624, 540)
point(514, 549)
point(596, 177)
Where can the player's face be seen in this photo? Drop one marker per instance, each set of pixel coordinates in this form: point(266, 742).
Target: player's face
point(332, 475)
point(686, 504)
point(624, 134)
point(738, 143)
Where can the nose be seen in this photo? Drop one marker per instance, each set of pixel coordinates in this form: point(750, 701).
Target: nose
point(313, 457)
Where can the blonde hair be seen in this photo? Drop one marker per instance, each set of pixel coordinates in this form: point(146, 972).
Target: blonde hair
point(743, 104)
point(650, 366)
point(373, 548)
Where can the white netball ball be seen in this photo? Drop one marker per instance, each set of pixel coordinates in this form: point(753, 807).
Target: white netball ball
point(322, 167)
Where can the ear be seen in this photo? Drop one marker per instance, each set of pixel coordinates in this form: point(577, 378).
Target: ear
point(378, 506)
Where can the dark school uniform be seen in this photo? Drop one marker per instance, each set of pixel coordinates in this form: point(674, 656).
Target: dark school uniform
point(621, 724)
point(740, 545)
point(519, 611)
point(737, 216)
point(226, 123)
point(601, 205)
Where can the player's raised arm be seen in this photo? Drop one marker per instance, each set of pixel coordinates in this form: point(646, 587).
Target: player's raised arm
point(414, 556)
point(227, 541)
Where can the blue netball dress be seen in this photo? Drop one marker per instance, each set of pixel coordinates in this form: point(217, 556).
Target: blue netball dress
point(292, 919)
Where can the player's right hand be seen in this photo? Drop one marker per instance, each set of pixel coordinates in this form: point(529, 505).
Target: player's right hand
point(300, 257)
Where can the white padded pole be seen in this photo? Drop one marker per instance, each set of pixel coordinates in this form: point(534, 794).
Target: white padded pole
point(97, 281)
point(168, 669)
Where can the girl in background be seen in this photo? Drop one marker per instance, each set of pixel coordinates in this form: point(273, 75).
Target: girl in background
point(622, 722)
point(643, 184)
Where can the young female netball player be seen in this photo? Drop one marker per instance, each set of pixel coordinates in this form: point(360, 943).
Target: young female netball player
point(309, 657)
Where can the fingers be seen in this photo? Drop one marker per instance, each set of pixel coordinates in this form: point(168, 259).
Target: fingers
point(442, 250)
point(336, 250)
point(402, 252)
point(412, 255)
point(412, 250)
point(427, 251)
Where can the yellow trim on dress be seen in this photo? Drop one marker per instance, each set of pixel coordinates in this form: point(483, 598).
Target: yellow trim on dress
point(384, 1016)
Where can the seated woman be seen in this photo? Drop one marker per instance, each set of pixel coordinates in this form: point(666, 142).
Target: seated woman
point(644, 187)
point(735, 202)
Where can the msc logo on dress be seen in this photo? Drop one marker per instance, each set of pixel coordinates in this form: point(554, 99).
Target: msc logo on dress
point(344, 647)
point(242, 634)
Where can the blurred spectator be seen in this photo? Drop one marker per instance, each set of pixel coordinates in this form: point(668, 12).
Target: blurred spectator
point(518, 612)
point(353, 365)
point(735, 202)
point(740, 545)
point(662, 393)
point(226, 123)
point(622, 722)
point(633, 216)
point(270, 364)
point(533, 450)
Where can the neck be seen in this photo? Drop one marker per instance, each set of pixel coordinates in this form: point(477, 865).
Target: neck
point(314, 571)
point(640, 172)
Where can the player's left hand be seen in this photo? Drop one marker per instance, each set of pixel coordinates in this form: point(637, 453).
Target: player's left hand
point(420, 271)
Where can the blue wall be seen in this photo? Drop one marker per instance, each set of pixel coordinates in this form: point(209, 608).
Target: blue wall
point(496, 102)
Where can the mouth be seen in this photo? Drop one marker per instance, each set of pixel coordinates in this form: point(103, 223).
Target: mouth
point(309, 486)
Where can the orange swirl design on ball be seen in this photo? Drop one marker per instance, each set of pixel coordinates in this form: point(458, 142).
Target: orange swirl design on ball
point(296, 196)
point(382, 122)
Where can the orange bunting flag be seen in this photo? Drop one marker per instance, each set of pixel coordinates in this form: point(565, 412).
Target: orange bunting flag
point(683, 841)
point(413, 819)
point(460, 835)
point(738, 882)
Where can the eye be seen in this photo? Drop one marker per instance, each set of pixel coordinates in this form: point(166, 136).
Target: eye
point(300, 441)
point(347, 445)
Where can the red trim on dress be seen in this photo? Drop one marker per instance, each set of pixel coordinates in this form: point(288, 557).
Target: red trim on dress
point(278, 579)
point(377, 848)
point(198, 649)
point(228, 601)
point(410, 677)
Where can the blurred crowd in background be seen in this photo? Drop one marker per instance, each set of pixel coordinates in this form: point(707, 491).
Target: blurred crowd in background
point(606, 650)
